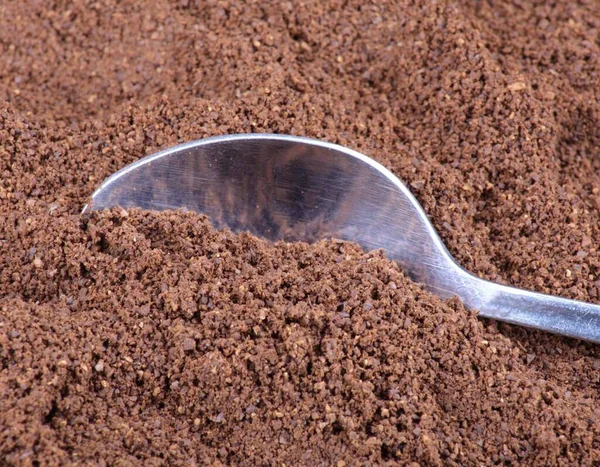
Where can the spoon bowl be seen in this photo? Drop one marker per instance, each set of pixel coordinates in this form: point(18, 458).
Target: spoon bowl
point(281, 187)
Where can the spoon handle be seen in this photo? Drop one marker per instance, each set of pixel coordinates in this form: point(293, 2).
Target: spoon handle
point(535, 310)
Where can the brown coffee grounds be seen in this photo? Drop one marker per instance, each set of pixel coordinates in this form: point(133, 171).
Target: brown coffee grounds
point(167, 341)
point(146, 338)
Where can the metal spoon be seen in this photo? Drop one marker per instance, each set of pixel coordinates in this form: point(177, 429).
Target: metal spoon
point(298, 189)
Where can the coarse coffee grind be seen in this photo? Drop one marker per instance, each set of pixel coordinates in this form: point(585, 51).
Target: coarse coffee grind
point(139, 338)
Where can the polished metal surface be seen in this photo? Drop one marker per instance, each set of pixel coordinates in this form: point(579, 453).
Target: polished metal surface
point(290, 188)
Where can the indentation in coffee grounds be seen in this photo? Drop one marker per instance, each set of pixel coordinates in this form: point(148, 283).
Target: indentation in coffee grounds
point(144, 338)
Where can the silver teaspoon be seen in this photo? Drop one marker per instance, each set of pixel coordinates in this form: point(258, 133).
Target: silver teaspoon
point(297, 189)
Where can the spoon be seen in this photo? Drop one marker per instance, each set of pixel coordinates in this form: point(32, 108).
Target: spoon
point(289, 188)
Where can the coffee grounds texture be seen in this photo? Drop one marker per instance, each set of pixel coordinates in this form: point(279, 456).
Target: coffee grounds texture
point(144, 338)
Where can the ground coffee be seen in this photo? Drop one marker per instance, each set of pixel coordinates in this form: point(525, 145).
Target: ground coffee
point(143, 338)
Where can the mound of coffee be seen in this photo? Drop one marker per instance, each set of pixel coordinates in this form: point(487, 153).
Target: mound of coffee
point(144, 338)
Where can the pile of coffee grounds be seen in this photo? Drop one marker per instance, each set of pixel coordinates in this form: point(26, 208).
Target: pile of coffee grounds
point(145, 338)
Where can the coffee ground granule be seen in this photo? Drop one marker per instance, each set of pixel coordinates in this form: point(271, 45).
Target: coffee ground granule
point(144, 338)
